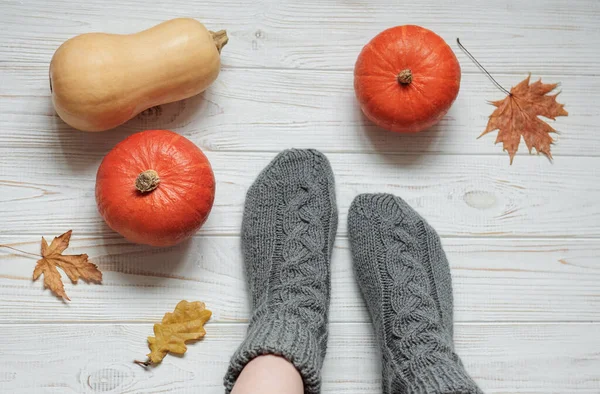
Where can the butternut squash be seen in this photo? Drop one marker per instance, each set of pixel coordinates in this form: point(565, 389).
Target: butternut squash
point(99, 81)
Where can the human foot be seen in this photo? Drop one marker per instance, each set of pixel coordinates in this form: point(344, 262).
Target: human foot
point(290, 221)
point(405, 279)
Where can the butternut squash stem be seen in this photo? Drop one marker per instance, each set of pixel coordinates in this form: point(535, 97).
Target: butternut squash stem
point(482, 68)
point(404, 77)
point(220, 38)
point(147, 181)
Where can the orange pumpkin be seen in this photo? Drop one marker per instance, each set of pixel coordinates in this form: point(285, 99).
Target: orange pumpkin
point(155, 187)
point(406, 79)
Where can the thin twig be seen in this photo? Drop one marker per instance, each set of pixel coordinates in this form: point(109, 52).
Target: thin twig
point(19, 250)
point(482, 68)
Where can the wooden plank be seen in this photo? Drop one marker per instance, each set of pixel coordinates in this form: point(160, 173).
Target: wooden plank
point(507, 36)
point(526, 290)
point(502, 358)
point(44, 191)
point(494, 280)
point(294, 108)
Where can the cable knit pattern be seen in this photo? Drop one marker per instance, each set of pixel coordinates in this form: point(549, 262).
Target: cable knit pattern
point(408, 295)
point(290, 220)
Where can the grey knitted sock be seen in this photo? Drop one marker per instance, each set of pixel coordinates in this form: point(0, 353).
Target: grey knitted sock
point(290, 221)
point(405, 279)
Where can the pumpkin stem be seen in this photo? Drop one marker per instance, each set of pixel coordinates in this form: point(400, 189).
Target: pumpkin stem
point(220, 38)
point(147, 181)
point(404, 77)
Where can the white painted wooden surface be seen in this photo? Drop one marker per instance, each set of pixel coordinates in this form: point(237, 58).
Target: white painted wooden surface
point(523, 240)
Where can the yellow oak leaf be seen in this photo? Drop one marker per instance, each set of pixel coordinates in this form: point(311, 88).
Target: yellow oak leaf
point(186, 323)
point(517, 115)
point(75, 266)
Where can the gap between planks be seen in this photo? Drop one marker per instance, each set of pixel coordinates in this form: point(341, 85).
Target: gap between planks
point(334, 70)
point(343, 236)
point(17, 65)
point(336, 323)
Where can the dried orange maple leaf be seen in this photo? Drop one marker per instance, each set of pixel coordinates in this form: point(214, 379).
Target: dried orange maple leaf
point(75, 266)
point(517, 115)
point(186, 323)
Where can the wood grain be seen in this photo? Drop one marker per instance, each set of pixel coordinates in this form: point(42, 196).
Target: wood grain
point(474, 196)
point(502, 358)
point(523, 241)
point(494, 280)
point(269, 110)
point(555, 37)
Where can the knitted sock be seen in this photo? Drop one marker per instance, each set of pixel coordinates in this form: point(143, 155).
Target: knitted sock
point(290, 221)
point(405, 279)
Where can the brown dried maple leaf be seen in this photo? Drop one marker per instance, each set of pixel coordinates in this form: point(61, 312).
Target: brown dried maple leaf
point(517, 115)
point(75, 266)
point(186, 323)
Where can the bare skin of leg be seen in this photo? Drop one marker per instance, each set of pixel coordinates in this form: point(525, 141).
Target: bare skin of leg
point(269, 375)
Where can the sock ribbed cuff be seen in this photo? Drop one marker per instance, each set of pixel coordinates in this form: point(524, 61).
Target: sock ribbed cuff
point(443, 379)
point(286, 337)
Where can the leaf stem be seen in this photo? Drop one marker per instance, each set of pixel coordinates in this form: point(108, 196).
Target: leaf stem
point(19, 250)
point(482, 68)
point(144, 364)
